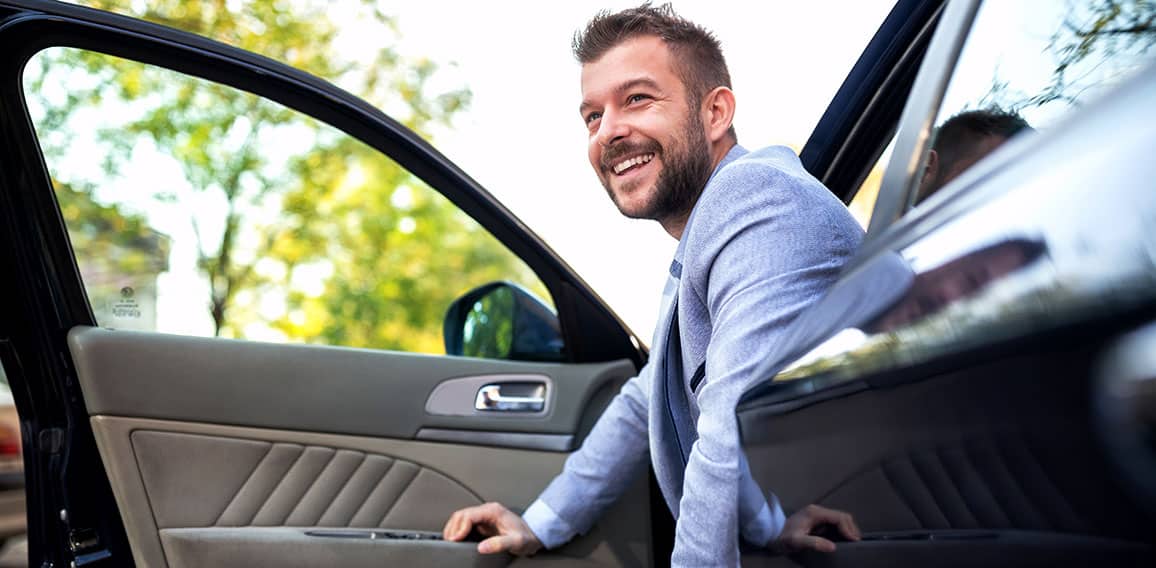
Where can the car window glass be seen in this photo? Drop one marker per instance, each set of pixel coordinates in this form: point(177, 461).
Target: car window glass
point(1026, 65)
point(1035, 255)
point(863, 204)
point(195, 208)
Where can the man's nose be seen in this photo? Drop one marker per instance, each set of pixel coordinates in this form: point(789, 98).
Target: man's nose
point(611, 129)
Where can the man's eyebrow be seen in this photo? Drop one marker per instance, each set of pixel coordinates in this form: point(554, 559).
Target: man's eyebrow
point(646, 82)
point(635, 83)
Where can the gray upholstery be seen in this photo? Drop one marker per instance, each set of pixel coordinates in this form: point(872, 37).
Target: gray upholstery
point(510, 476)
point(1002, 449)
point(292, 547)
point(314, 388)
point(240, 440)
point(201, 481)
point(979, 483)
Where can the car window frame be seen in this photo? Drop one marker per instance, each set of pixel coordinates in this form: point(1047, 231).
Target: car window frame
point(861, 119)
point(901, 176)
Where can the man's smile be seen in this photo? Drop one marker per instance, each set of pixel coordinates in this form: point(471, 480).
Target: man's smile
point(631, 163)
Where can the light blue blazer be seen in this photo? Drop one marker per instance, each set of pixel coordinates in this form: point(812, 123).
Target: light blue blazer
point(764, 241)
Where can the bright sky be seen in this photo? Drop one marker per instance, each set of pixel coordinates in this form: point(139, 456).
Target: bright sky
point(523, 140)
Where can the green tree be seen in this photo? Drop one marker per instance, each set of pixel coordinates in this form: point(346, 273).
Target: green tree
point(393, 252)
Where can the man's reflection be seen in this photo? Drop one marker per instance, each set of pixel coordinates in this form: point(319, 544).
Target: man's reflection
point(962, 141)
point(964, 277)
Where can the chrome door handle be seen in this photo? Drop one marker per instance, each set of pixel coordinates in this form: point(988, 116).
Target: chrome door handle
point(511, 397)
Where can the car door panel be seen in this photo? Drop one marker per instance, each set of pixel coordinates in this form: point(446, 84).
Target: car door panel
point(321, 437)
point(1010, 549)
point(226, 452)
point(989, 456)
point(297, 386)
point(293, 547)
point(949, 390)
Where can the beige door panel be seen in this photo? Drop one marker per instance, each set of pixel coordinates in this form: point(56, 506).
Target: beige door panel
point(323, 389)
point(198, 481)
point(171, 476)
point(224, 453)
point(297, 548)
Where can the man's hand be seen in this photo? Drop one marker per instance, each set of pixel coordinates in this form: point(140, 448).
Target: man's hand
point(507, 532)
point(798, 532)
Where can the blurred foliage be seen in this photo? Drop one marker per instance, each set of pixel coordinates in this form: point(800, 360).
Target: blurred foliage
point(1092, 34)
point(118, 248)
point(124, 240)
point(1097, 43)
point(391, 253)
point(397, 253)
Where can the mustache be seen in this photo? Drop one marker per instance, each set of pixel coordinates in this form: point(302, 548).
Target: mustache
point(615, 153)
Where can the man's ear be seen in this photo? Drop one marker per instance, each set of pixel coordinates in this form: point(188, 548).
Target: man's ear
point(932, 165)
point(930, 173)
point(718, 111)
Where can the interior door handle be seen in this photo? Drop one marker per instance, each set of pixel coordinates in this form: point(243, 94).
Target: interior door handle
point(511, 397)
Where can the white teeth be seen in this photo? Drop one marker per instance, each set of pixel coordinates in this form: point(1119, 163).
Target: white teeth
point(623, 165)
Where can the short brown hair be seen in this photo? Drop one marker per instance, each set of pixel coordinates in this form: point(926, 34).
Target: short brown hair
point(702, 66)
point(954, 137)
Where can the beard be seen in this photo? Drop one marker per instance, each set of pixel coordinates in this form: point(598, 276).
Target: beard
point(686, 169)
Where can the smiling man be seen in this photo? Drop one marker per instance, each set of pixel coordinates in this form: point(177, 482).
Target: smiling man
point(759, 240)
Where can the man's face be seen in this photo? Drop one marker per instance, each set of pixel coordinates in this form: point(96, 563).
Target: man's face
point(647, 140)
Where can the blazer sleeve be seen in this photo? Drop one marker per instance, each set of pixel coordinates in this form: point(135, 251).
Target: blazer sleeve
point(612, 456)
point(765, 244)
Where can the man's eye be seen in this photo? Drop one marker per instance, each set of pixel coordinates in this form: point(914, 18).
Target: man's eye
point(590, 118)
point(636, 98)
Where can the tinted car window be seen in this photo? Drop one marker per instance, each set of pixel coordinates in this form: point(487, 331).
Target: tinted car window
point(1057, 236)
point(1025, 66)
point(199, 209)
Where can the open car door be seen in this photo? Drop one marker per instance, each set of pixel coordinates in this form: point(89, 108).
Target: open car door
point(147, 441)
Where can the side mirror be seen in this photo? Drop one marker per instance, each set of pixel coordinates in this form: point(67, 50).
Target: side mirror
point(501, 320)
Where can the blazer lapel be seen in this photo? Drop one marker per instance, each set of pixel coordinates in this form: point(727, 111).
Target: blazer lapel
point(670, 410)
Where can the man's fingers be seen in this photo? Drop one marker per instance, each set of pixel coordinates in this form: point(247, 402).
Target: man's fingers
point(848, 527)
point(450, 531)
point(817, 515)
point(460, 523)
point(495, 544)
point(506, 531)
point(811, 542)
point(842, 521)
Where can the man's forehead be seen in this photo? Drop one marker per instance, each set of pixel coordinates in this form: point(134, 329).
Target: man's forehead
point(640, 50)
point(644, 58)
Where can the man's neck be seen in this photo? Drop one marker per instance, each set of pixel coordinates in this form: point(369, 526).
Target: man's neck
point(674, 226)
point(719, 151)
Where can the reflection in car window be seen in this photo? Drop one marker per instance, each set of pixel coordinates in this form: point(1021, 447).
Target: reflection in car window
point(1027, 64)
point(199, 209)
point(915, 312)
point(1062, 236)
